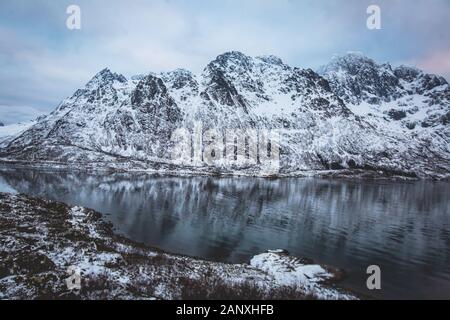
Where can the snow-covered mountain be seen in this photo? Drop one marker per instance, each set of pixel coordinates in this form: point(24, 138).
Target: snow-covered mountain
point(9, 132)
point(354, 114)
point(406, 95)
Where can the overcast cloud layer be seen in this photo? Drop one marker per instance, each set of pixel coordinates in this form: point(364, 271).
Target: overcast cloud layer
point(42, 62)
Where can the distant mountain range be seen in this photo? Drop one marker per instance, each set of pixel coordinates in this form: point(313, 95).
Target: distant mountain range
point(11, 131)
point(352, 115)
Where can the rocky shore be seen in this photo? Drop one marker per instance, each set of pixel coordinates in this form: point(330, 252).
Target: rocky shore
point(46, 245)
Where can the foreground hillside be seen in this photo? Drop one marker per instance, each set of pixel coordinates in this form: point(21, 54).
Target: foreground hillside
point(354, 114)
point(40, 240)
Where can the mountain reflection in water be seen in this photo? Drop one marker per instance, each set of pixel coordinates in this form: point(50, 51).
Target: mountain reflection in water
point(404, 227)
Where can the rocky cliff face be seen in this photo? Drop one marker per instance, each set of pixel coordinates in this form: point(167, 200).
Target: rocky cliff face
point(352, 114)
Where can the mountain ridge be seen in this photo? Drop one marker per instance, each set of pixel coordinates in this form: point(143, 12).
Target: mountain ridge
point(352, 114)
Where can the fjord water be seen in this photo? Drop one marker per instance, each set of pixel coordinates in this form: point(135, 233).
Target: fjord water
point(403, 227)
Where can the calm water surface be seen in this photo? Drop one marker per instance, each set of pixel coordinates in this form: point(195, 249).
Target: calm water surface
point(404, 227)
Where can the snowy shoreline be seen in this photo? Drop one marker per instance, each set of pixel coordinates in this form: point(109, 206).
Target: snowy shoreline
point(41, 239)
point(139, 167)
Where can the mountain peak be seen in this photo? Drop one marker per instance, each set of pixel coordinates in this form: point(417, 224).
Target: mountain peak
point(105, 71)
point(178, 72)
point(231, 58)
point(354, 56)
point(351, 62)
point(232, 55)
point(106, 76)
point(407, 73)
point(355, 78)
point(271, 59)
point(410, 74)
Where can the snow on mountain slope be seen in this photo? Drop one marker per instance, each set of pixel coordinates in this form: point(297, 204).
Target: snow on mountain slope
point(404, 96)
point(355, 114)
point(403, 102)
point(8, 132)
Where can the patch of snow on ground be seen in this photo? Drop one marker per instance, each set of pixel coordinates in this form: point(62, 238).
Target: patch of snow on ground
point(292, 271)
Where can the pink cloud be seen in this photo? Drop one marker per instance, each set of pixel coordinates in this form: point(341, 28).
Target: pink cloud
point(437, 62)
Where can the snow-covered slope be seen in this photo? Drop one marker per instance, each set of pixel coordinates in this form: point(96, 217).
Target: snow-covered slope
point(353, 114)
point(7, 133)
point(403, 103)
point(406, 96)
point(36, 256)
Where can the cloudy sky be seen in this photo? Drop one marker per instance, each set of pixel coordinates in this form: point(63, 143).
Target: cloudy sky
point(42, 62)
